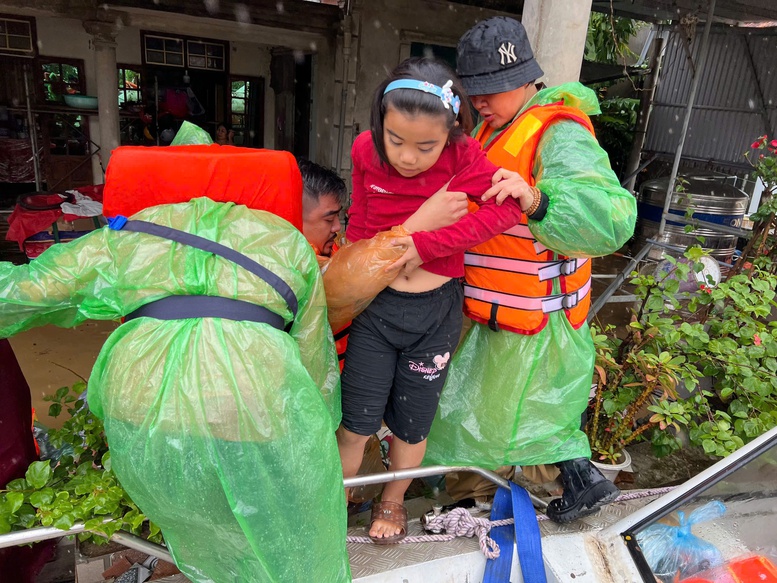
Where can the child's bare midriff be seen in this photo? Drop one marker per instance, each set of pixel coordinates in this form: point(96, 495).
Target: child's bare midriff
point(418, 281)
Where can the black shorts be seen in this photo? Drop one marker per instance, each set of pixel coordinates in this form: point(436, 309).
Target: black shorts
point(397, 360)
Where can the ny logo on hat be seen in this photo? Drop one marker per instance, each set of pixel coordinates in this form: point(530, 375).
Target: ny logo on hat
point(507, 53)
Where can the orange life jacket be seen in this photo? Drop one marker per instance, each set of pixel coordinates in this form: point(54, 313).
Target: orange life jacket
point(341, 343)
point(509, 278)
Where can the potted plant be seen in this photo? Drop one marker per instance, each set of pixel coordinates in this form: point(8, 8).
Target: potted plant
point(76, 484)
point(634, 377)
point(638, 371)
point(761, 244)
point(685, 328)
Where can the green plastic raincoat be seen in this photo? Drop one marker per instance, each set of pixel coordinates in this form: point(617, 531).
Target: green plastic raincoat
point(512, 399)
point(222, 431)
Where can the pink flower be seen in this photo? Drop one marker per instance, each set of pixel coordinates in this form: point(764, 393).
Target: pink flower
point(759, 142)
point(773, 143)
point(756, 340)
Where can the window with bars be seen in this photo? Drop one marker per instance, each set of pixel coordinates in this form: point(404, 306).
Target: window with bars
point(163, 50)
point(181, 51)
point(205, 55)
point(62, 77)
point(129, 85)
point(17, 36)
point(245, 110)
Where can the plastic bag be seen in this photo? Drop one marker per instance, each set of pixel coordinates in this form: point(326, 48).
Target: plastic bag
point(219, 430)
point(673, 551)
point(357, 273)
point(545, 395)
point(191, 135)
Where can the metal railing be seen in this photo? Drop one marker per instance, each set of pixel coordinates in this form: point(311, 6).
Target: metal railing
point(435, 471)
point(129, 540)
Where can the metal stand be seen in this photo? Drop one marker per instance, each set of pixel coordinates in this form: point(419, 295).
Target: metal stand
point(698, 68)
point(33, 129)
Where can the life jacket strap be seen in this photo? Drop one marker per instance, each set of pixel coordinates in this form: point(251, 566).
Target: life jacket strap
point(546, 304)
point(545, 270)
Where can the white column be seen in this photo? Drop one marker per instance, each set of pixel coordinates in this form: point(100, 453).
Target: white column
point(557, 31)
point(104, 42)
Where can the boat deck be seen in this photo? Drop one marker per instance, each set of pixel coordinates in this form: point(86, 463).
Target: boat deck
point(461, 560)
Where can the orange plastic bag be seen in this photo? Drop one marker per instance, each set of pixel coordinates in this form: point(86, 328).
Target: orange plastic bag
point(357, 273)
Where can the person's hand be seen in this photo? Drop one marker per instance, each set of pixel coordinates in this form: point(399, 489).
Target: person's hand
point(231, 136)
point(409, 261)
point(507, 183)
point(440, 210)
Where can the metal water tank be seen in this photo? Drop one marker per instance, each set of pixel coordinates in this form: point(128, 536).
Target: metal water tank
point(710, 199)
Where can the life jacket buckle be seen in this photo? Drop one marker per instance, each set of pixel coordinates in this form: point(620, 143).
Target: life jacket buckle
point(570, 300)
point(569, 266)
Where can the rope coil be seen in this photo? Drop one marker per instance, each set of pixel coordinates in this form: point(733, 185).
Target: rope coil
point(459, 522)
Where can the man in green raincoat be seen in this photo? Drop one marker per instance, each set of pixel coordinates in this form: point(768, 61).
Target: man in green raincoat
point(220, 392)
point(520, 381)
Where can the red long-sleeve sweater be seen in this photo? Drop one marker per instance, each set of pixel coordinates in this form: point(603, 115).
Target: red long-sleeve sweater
point(382, 198)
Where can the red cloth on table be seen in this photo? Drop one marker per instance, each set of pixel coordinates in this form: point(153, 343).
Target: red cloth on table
point(24, 223)
point(140, 177)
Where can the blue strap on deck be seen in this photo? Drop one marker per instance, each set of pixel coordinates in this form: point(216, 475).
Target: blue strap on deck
point(525, 533)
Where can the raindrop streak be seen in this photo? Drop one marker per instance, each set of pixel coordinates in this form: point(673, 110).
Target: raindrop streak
point(242, 14)
point(212, 6)
point(279, 7)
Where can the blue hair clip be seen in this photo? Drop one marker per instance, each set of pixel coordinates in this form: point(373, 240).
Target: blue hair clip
point(445, 93)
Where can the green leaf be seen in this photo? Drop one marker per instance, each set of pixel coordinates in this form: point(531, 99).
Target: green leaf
point(709, 446)
point(106, 461)
point(38, 474)
point(42, 498)
point(55, 409)
point(14, 501)
point(61, 393)
point(18, 485)
point(26, 517)
point(5, 525)
point(64, 522)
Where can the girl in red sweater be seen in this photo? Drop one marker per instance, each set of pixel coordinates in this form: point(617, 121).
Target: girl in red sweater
point(400, 346)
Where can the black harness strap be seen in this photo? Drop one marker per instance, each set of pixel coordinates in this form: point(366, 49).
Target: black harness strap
point(185, 306)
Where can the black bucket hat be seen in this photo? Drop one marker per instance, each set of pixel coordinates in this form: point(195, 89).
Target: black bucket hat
point(495, 56)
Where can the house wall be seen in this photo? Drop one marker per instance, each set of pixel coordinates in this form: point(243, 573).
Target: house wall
point(67, 38)
point(383, 32)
